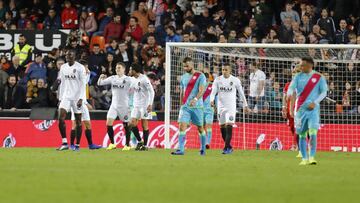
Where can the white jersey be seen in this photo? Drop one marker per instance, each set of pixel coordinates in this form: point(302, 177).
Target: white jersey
point(143, 92)
point(226, 88)
point(255, 79)
point(73, 82)
point(120, 89)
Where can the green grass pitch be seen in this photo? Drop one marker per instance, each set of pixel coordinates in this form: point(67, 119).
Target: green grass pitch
point(45, 175)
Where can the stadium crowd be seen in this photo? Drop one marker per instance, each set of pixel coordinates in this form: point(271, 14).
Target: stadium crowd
point(136, 31)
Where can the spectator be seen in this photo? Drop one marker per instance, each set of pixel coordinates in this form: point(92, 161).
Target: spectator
point(342, 34)
point(255, 30)
point(289, 13)
point(125, 55)
point(220, 18)
point(333, 94)
point(23, 51)
point(114, 30)
point(108, 67)
point(5, 65)
point(37, 69)
point(53, 70)
point(69, 17)
point(15, 68)
point(11, 95)
point(275, 97)
point(150, 31)
point(3, 76)
point(88, 23)
point(317, 32)
point(285, 33)
point(203, 21)
point(349, 98)
point(271, 37)
point(246, 35)
point(52, 21)
point(152, 55)
point(222, 38)
point(8, 20)
point(189, 26)
point(113, 47)
point(144, 16)
point(186, 37)
point(232, 37)
point(306, 25)
point(194, 37)
point(171, 35)
point(257, 88)
point(41, 99)
point(327, 25)
point(210, 35)
point(52, 56)
point(23, 21)
point(119, 8)
point(134, 29)
point(3, 10)
point(109, 15)
point(96, 59)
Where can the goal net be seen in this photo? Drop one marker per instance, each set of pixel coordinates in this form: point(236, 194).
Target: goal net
point(265, 127)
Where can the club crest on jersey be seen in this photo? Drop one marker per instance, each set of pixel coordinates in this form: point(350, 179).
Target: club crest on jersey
point(231, 118)
point(126, 117)
point(231, 83)
point(139, 84)
point(194, 78)
point(124, 81)
point(313, 80)
point(74, 70)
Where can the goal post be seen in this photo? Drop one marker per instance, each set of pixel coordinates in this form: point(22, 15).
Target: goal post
point(264, 127)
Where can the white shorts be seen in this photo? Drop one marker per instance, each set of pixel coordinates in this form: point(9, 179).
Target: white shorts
point(122, 113)
point(140, 113)
point(85, 115)
point(70, 105)
point(226, 116)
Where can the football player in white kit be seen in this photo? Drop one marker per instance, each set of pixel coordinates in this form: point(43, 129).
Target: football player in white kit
point(225, 87)
point(121, 86)
point(85, 117)
point(143, 101)
point(73, 80)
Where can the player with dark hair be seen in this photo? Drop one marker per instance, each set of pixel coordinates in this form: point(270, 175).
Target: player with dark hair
point(208, 111)
point(308, 88)
point(192, 84)
point(286, 111)
point(85, 117)
point(142, 102)
point(73, 80)
point(225, 87)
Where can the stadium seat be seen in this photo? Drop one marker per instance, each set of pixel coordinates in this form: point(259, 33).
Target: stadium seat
point(97, 40)
point(100, 15)
point(40, 26)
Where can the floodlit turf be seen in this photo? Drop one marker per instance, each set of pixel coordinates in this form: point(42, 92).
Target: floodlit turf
point(45, 175)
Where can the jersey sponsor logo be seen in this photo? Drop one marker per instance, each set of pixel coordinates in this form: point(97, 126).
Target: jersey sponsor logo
point(70, 77)
point(226, 89)
point(118, 86)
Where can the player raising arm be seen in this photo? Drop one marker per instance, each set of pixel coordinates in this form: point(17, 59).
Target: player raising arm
point(120, 89)
point(309, 88)
point(225, 87)
point(192, 85)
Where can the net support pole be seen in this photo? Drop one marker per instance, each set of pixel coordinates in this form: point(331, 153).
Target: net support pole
point(167, 96)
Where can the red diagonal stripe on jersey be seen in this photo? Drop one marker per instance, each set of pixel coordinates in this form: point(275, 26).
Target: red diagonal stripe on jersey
point(190, 86)
point(307, 89)
point(207, 91)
